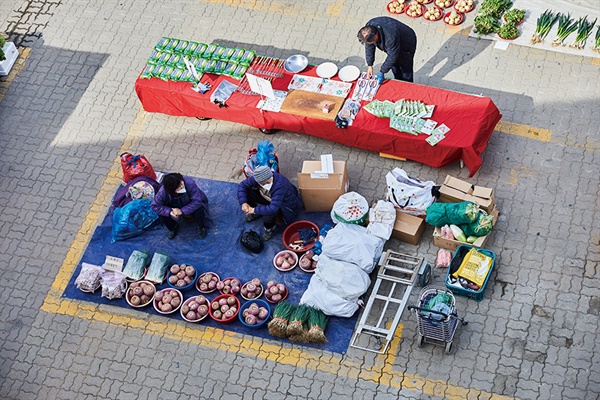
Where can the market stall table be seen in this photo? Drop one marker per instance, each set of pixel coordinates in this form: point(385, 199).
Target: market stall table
point(471, 119)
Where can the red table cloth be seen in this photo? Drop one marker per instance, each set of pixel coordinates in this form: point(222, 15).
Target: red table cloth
point(471, 119)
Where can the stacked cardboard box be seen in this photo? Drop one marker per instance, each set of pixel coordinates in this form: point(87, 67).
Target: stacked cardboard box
point(321, 183)
point(455, 190)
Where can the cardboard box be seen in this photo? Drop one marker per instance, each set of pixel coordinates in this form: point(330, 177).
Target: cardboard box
point(455, 190)
point(319, 189)
point(439, 241)
point(408, 228)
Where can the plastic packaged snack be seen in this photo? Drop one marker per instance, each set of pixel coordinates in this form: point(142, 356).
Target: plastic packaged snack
point(162, 43)
point(88, 279)
point(134, 269)
point(191, 47)
point(174, 60)
point(210, 49)
point(147, 72)
point(247, 57)
point(172, 45)
point(230, 68)
point(157, 70)
point(158, 267)
point(210, 66)
point(219, 51)
point(166, 73)
point(239, 72)
point(177, 74)
point(154, 56)
point(163, 58)
point(237, 54)
point(114, 285)
point(219, 67)
point(227, 53)
point(199, 50)
point(181, 46)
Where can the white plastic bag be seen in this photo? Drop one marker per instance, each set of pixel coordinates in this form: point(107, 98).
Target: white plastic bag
point(345, 279)
point(352, 243)
point(350, 208)
point(381, 219)
point(317, 295)
point(409, 194)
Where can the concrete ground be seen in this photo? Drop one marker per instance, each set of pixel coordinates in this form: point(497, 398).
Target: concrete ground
point(71, 110)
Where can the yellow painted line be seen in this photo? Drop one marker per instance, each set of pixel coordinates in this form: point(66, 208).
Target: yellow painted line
point(17, 67)
point(335, 9)
point(382, 372)
point(520, 172)
point(524, 130)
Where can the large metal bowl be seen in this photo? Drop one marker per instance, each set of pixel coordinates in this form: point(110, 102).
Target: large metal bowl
point(295, 63)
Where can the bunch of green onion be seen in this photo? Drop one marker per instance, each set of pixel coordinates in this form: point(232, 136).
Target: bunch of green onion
point(584, 30)
point(597, 47)
point(566, 26)
point(544, 24)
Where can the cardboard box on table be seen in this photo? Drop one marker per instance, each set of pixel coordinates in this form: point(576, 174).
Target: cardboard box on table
point(439, 241)
point(322, 183)
point(408, 228)
point(455, 190)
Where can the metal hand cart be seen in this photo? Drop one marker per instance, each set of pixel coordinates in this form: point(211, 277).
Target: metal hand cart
point(397, 275)
point(436, 327)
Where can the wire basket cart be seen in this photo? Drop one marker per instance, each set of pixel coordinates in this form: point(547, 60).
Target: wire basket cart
point(436, 327)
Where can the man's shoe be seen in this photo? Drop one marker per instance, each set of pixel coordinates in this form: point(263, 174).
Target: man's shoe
point(201, 233)
point(171, 234)
point(269, 233)
point(251, 217)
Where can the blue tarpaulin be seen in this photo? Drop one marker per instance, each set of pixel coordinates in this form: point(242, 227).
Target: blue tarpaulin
point(219, 252)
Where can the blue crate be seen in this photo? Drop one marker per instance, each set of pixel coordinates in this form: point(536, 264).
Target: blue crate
point(471, 294)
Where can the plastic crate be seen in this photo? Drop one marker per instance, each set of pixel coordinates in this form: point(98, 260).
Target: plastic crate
point(471, 294)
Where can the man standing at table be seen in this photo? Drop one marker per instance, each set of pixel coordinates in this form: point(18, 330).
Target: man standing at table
point(268, 194)
point(395, 39)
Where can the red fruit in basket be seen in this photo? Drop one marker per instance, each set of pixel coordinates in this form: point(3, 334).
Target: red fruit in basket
point(273, 289)
point(135, 300)
point(185, 309)
point(202, 310)
point(201, 300)
point(229, 314)
point(167, 298)
point(215, 305)
point(206, 278)
point(145, 299)
point(138, 291)
point(235, 289)
point(250, 319)
point(173, 279)
point(263, 313)
point(181, 274)
point(212, 285)
point(281, 287)
point(251, 295)
point(175, 302)
point(231, 301)
point(220, 285)
point(224, 308)
point(235, 282)
point(174, 293)
point(190, 271)
point(244, 291)
point(187, 280)
point(159, 295)
point(193, 305)
point(223, 301)
point(256, 282)
point(234, 309)
point(180, 283)
point(276, 298)
point(166, 308)
point(270, 283)
point(175, 269)
point(203, 287)
point(217, 314)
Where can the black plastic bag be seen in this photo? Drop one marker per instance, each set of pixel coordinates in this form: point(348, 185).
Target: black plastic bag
point(252, 241)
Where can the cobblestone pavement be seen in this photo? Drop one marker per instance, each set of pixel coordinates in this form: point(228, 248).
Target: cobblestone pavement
point(72, 109)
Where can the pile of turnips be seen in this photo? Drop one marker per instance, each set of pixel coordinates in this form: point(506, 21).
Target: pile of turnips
point(275, 292)
point(181, 275)
point(307, 263)
point(252, 290)
point(207, 282)
point(285, 260)
point(229, 286)
point(414, 10)
point(195, 308)
point(224, 307)
point(140, 293)
point(254, 315)
point(167, 300)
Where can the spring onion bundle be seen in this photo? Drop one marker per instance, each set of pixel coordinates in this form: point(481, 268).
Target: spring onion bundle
point(597, 46)
point(584, 30)
point(544, 24)
point(299, 317)
point(566, 26)
point(281, 317)
point(317, 322)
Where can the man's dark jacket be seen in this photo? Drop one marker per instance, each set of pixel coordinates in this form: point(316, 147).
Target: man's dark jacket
point(395, 38)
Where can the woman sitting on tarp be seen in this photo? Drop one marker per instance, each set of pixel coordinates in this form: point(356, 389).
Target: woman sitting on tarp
point(268, 194)
point(180, 197)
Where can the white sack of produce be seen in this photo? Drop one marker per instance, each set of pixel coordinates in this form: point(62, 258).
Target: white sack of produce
point(381, 219)
point(352, 243)
point(350, 208)
point(345, 279)
point(319, 296)
point(409, 194)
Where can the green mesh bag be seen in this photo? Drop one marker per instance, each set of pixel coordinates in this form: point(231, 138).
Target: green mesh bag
point(440, 214)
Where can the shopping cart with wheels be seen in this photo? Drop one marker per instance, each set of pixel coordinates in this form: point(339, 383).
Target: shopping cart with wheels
point(437, 324)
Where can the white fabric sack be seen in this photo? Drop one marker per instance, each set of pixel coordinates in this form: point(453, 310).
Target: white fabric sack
point(381, 219)
point(352, 243)
point(409, 194)
point(345, 279)
point(319, 296)
point(350, 208)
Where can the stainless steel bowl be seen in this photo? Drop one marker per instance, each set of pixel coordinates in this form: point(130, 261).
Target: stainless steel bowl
point(295, 63)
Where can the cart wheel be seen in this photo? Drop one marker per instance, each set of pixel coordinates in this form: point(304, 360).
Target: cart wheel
point(202, 118)
point(267, 131)
point(425, 277)
point(448, 347)
point(421, 340)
